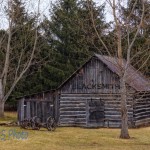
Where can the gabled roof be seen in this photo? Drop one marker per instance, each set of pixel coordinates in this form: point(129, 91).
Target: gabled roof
point(135, 79)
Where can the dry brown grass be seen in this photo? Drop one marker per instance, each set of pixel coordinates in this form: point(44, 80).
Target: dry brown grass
point(9, 117)
point(69, 138)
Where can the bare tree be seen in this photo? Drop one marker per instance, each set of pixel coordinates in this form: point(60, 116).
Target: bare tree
point(24, 57)
point(119, 26)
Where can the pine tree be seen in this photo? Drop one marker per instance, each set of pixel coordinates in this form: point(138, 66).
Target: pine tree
point(22, 43)
point(70, 40)
point(71, 35)
point(143, 40)
point(17, 13)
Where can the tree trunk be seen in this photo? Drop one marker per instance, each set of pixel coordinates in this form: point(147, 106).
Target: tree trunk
point(124, 113)
point(1, 100)
point(2, 109)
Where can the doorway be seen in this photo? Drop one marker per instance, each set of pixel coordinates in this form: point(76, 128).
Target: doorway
point(96, 114)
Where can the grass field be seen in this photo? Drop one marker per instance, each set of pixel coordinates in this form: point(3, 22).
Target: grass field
point(9, 117)
point(65, 138)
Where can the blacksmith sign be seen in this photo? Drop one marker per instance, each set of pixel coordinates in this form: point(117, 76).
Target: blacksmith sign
point(96, 86)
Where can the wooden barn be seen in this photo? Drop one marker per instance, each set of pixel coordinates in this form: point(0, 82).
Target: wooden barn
point(90, 97)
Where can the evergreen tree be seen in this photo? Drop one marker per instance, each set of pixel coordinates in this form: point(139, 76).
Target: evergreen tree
point(71, 35)
point(18, 13)
point(3, 44)
point(22, 43)
point(140, 50)
point(68, 39)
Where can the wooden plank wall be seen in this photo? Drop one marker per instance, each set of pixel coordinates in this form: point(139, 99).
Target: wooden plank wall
point(94, 77)
point(72, 111)
point(56, 106)
point(113, 111)
point(75, 110)
point(41, 105)
point(40, 109)
point(142, 109)
point(20, 110)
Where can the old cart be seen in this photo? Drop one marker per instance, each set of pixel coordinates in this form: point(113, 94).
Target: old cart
point(35, 123)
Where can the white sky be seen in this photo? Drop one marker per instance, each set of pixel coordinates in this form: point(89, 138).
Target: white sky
point(44, 9)
point(46, 4)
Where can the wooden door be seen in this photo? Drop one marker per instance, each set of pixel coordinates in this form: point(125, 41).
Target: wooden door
point(96, 112)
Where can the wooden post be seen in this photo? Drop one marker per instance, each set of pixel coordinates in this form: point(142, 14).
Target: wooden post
point(87, 113)
point(32, 109)
point(43, 112)
point(56, 106)
point(19, 112)
point(36, 112)
point(28, 110)
point(22, 109)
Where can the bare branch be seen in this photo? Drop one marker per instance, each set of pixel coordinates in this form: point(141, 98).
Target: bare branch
point(135, 36)
point(6, 64)
point(28, 64)
point(94, 26)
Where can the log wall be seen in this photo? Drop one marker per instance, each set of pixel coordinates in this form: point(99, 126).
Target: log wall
point(142, 109)
point(76, 110)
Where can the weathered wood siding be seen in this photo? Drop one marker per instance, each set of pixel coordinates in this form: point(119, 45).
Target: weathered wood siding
point(76, 110)
point(72, 111)
point(91, 98)
point(142, 109)
point(42, 105)
point(94, 77)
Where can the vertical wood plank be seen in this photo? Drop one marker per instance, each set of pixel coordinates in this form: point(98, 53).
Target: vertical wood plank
point(87, 113)
point(43, 111)
point(19, 111)
point(22, 109)
point(28, 110)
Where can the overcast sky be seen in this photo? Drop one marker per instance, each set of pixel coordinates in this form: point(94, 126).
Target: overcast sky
point(46, 4)
point(44, 7)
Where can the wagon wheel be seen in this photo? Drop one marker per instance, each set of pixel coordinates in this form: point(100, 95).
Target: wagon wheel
point(36, 123)
point(25, 124)
point(51, 124)
point(22, 125)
